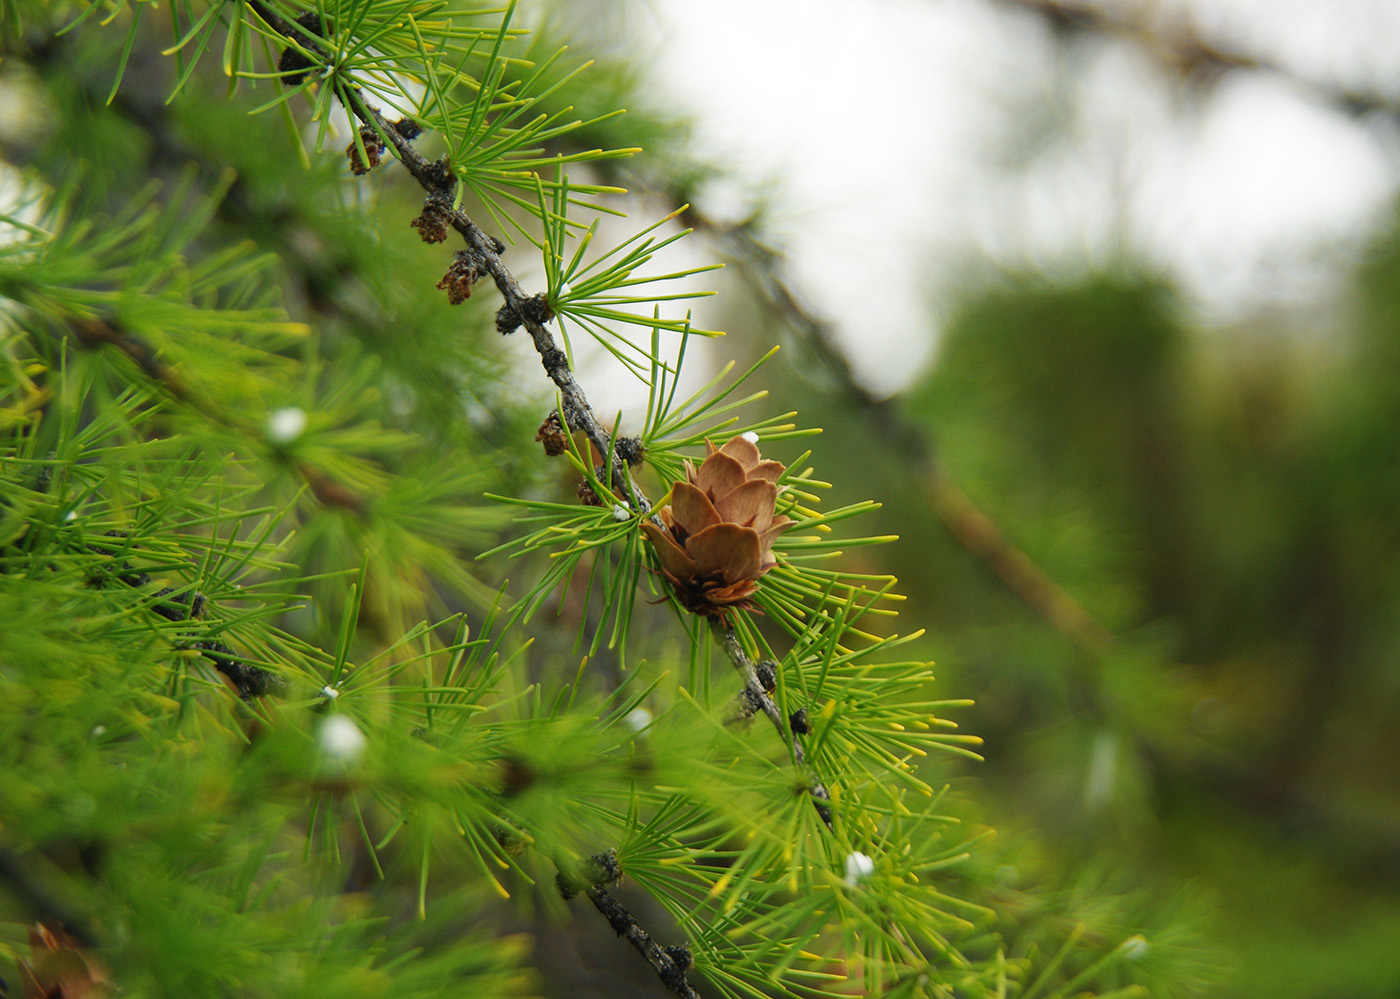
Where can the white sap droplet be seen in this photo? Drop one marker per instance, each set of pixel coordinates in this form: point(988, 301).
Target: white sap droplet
point(341, 739)
point(330, 692)
point(285, 425)
point(1135, 948)
point(638, 719)
point(858, 868)
point(750, 435)
point(620, 512)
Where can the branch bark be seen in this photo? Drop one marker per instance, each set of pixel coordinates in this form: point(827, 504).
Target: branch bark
point(663, 959)
point(437, 180)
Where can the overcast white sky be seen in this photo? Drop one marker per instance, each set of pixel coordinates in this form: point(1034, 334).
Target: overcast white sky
point(918, 141)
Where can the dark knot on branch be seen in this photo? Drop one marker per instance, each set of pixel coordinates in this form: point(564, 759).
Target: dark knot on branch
point(536, 309)
point(294, 61)
point(598, 871)
point(630, 450)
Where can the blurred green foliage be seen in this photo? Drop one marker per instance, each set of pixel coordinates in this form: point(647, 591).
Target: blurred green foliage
point(1225, 503)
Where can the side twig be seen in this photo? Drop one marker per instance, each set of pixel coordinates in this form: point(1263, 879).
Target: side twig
point(95, 333)
point(249, 681)
point(757, 694)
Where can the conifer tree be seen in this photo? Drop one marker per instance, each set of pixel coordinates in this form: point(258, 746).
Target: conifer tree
point(330, 662)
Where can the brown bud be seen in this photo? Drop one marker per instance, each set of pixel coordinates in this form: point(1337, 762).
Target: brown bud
point(587, 496)
point(747, 703)
point(507, 320)
point(374, 148)
point(719, 529)
point(433, 223)
point(599, 870)
point(604, 868)
point(553, 435)
point(460, 277)
point(537, 309)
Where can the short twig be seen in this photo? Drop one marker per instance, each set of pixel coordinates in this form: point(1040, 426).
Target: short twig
point(592, 877)
point(249, 681)
point(755, 693)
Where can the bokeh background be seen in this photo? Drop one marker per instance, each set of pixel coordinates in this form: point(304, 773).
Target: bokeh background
point(1102, 300)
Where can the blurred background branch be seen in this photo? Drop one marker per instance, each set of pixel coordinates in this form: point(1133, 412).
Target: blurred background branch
point(1173, 38)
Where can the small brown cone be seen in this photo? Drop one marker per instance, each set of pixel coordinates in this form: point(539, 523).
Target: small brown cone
point(719, 529)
